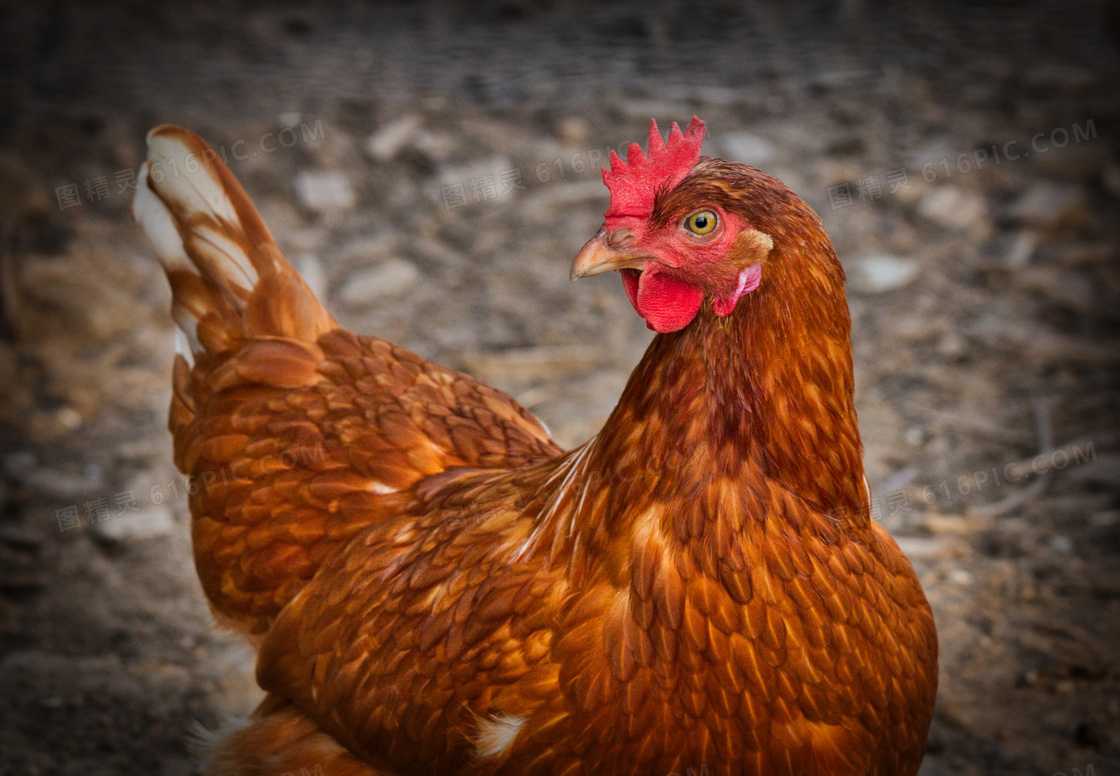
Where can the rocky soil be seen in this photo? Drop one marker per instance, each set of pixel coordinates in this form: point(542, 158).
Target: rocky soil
point(433, 168)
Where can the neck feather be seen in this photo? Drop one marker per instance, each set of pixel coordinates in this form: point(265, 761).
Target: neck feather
point(758, 402)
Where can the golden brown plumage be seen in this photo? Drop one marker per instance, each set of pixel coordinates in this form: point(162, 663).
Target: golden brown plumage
point(435, 587)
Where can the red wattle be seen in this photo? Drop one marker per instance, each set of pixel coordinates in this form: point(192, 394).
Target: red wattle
point(667, 304)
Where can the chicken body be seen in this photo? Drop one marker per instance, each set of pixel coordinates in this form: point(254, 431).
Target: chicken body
point(434, 587)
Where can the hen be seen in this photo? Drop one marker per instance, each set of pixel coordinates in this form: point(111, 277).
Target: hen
point(435, 587)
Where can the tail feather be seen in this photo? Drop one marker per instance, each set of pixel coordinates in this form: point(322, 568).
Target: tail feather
point(246, 415)
point(229, 279)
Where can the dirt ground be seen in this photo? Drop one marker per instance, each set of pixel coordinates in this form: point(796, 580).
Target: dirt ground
point(434, 168)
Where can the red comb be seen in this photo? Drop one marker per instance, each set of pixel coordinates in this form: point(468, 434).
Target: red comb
point(635, 182)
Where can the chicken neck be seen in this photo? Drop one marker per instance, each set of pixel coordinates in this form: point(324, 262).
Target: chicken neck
point(737, 405)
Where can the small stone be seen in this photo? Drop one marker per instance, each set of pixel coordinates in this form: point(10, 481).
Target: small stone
point(435, 146)
point(384, 144)
point(1062, 544)
point(491, 180)
point(1047, 203)
point(879, 273)
point(1065, 687)
point(391, 277)
point(915, 436)
point(324, 191)
point(153, 521)
point(55, 483)
point(69, 418)
point(573, 130)
point(1022, 249)
point(960, 577)
point(940, 147)
point(951, 345)
point(955, 208)
point(747, 148)
point(922, 546)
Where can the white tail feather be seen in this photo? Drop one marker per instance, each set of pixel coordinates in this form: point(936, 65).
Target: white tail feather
point(200, 190)
point(189, 183)
point(229, 279)
point(159, 225)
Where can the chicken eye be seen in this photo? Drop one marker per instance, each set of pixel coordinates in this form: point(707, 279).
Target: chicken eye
point(701, 223)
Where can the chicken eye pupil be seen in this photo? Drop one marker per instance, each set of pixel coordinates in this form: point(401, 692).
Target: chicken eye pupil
point(701, 223)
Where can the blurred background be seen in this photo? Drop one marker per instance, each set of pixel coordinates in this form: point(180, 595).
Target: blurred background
point(433, 168)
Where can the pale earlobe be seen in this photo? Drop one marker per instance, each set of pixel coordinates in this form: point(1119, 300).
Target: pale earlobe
point(751, 246)
point(748, 281)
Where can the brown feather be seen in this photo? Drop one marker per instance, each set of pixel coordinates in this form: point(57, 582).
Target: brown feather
point(420, 564)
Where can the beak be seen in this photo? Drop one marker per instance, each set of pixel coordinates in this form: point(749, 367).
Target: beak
point(608, 251)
